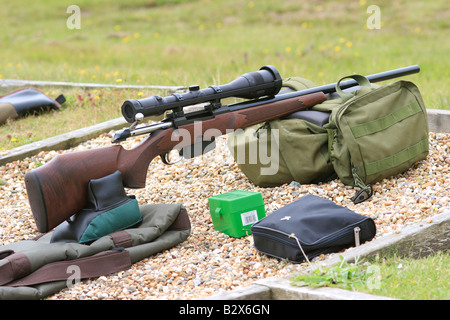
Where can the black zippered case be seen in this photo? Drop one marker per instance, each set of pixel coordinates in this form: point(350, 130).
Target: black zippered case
point(320, 226)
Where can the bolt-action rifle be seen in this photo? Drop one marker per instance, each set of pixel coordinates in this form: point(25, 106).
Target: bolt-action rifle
point(58, 189)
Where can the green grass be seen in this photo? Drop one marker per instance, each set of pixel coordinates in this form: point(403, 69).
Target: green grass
point(401, 278)
point(184, 42)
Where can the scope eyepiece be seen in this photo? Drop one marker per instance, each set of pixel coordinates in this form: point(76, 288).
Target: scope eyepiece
point(252, 85)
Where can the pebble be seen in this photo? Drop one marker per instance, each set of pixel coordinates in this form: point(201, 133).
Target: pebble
point(210, 262)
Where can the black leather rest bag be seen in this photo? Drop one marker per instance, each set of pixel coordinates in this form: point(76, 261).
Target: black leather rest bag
point(313, 225)
point(25, 101)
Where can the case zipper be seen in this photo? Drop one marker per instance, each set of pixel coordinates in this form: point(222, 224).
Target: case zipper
point(357, 239)
point(338, 234)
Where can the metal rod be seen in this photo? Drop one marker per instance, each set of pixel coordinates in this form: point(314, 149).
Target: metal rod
point(5, 83)
point(151, 128)
point(330, 88)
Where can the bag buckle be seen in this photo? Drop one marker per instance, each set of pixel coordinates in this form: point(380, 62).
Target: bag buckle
point(363, 194)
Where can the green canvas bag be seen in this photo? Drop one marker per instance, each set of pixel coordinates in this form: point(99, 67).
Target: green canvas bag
point(34, 269)
point(284, 150)
point(376, 132)
point(368, 134)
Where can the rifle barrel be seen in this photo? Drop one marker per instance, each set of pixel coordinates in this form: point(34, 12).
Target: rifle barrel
point(377, 77)
point(330, 88)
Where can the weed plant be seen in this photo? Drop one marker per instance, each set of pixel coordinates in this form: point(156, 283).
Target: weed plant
point(426, 278)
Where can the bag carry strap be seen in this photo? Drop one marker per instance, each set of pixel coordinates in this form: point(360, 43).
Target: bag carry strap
point(17, 270)
point(362, 81)
point(102, 263)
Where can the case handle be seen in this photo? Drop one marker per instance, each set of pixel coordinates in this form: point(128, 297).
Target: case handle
point(362, 81)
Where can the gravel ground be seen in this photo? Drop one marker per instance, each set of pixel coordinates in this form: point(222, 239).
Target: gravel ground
point(210, 262)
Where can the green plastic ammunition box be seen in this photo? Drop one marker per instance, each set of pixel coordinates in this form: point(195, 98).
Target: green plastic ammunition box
point(234, 212)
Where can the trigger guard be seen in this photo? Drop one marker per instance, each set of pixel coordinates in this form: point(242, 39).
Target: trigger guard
point(166, 160)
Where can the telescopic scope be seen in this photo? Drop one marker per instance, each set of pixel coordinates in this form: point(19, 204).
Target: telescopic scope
point(252, 85)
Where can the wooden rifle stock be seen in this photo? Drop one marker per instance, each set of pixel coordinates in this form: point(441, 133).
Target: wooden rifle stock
point(58, 189)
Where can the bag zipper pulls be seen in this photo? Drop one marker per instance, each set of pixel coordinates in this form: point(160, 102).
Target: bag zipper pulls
point(357, 239)
point(365, 192)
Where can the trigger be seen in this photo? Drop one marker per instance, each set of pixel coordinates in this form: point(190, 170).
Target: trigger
point(167, 158)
